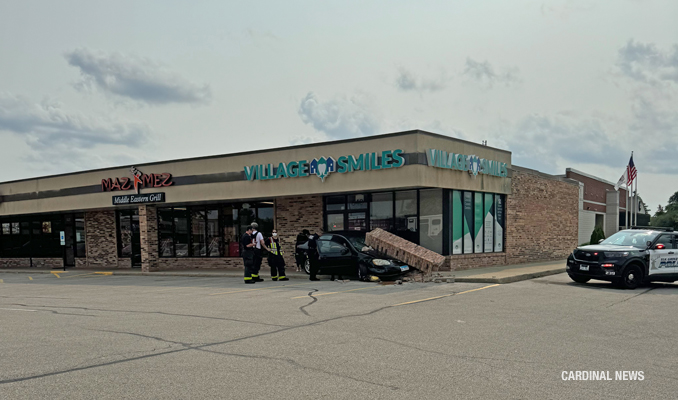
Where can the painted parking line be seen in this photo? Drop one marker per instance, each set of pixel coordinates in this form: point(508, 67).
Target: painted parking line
point(104, 273)
point(56, 273)
point(74, 276)
point(30, 278)
point(329, 293)
point(1, 281)
point(16, 309)
point(445, 295)
point(270, 287)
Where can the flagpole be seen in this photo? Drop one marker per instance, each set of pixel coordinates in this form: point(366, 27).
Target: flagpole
point(636, 206)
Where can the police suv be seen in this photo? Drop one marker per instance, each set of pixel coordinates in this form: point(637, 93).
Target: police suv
point(628, 258)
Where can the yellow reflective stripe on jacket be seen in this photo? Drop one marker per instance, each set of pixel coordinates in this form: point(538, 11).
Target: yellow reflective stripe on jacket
point(275, 250)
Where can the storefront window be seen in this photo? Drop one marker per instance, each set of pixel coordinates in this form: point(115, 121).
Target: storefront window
point(125, 226)
point(335, 203)
point(431, 219)
point(166, 232)
point(357, 202)
point(406, 215)
point(213, 236)
point(198, 233)
point(47, 227)
point(265, 217)
point(231, 236)
point(357, 221)
point(335, 222)
point(6, 229)
point(381, 211)
point(181, 232)
point(15, 228)
point(80, 250)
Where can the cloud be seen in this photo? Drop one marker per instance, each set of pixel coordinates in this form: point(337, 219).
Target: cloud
point(644, 62)
point(339, 118)
point(484, 73)
point(46, 125)
point(135, 78)
point(407, 81)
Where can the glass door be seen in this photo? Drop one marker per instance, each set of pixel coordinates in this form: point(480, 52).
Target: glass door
point(129, 236)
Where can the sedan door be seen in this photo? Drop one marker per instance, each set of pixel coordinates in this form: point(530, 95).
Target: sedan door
point(332, 256)
point(663, 257)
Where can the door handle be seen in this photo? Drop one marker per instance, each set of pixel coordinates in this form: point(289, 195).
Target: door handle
point(670, 252)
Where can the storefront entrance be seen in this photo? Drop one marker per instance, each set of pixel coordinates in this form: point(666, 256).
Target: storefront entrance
point(129, 240)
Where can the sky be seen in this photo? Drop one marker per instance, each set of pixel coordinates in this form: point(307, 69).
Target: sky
point(561, 84)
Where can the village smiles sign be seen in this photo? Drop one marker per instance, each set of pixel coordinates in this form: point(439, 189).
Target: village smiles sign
point(323, 166)
point(473, 164)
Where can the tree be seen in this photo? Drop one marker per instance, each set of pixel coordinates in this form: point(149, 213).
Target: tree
point(674, 198)
point(597, 235)
point(667, 216)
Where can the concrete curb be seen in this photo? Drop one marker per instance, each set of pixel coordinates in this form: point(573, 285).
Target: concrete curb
point(511, 279)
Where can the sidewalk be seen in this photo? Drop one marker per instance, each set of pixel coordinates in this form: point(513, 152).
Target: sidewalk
point(505, 273)
point(500, 274)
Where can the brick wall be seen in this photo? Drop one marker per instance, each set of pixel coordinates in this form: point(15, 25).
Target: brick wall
point(470, 261)
point(148, 229)
point(294, 214)
point(100, 240)
point(26, 262)
point(595, 190)
point(541, 218)
point(199, 262)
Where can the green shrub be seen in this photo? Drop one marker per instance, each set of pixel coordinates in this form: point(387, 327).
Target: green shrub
point(597, 235)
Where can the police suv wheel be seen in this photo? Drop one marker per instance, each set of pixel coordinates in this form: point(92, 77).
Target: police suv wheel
point(307, 266)
point(579, 279)
point(631, 278)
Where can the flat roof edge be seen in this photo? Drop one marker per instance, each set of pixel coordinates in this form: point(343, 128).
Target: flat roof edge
point(267, 150)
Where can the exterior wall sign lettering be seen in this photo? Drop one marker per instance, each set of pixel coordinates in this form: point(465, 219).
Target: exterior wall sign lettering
point(139, 180)
point(138, 199)
point(323, 166)
point(473, 164)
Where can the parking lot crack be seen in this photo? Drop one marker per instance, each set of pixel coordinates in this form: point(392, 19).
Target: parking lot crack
point(148, 312)
point(629, 298)
point(310, 294)
point(296, 364)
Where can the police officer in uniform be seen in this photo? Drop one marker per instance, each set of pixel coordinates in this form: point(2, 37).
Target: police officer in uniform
point(299, 256)
point(313, 256)
point(247, 252)
point(275, 258)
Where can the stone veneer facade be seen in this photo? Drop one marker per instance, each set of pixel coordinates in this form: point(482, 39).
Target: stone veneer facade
point(100, 240)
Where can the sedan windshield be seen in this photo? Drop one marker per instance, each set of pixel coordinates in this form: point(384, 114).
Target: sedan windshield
point(630, 238)
point(357, 242)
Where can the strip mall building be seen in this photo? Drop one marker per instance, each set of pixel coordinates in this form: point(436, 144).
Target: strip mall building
point(460, 199)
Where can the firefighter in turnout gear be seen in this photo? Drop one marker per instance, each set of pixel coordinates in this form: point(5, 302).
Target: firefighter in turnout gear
point(275, 258)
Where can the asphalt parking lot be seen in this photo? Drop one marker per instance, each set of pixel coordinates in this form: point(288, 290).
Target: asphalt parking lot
point(85, 335)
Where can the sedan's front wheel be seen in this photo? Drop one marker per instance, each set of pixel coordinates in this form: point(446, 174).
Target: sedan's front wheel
point(307, 266)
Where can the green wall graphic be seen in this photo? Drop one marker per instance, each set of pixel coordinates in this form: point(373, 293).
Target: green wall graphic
point(456, 223)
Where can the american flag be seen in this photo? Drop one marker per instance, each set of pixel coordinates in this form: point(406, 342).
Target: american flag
point(631, 171)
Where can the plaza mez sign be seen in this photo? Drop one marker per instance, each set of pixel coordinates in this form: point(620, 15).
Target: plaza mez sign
point(323, 166)
point(472, 164)
point(139, 180)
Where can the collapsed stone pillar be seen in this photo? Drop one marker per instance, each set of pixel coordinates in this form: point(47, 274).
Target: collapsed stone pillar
point(423, 259)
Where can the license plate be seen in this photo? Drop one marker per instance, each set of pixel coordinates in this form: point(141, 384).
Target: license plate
point(583, 267)
point(405, 268)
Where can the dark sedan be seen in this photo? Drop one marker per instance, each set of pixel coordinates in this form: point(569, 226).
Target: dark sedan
point(347, 253)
